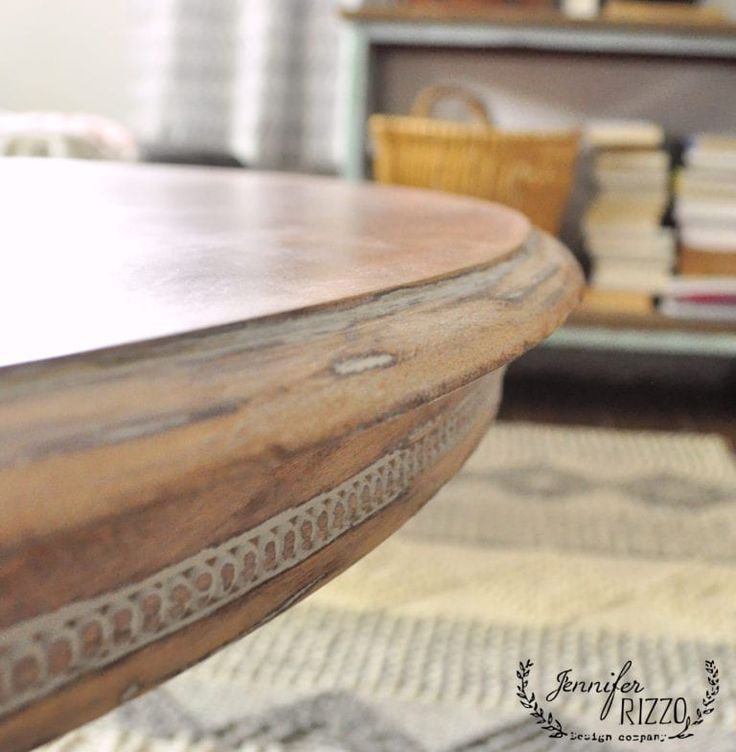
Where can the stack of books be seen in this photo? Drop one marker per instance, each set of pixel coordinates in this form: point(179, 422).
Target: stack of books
point(705, 214)
point(705, 298)
point(705, 207)
point(632, 253)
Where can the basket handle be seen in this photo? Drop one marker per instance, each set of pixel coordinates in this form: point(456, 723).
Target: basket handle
point(430, 95)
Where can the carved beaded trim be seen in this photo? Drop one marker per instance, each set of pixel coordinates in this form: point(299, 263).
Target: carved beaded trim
point(51, 650)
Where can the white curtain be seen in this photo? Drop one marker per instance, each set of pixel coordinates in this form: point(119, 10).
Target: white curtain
point(255, 79)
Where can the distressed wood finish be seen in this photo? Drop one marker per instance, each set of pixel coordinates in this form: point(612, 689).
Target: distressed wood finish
point(314, 361)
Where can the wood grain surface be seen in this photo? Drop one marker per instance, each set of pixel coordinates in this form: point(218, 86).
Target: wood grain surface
point(705, 21)
point(227, 429)
point(127, 253)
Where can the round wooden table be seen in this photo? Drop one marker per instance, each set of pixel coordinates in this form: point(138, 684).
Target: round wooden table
point(218, 389)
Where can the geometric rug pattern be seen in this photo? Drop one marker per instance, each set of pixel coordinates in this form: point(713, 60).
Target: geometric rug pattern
point(572, 547)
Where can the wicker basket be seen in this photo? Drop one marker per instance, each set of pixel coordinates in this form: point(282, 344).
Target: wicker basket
point(532, 172)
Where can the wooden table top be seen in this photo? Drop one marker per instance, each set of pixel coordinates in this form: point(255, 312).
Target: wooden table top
point(220, 389)
point(100, 255)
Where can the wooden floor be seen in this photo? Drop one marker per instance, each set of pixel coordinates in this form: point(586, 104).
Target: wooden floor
point(635, 392)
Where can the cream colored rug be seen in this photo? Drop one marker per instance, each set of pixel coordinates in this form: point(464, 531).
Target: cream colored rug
point(570, 547)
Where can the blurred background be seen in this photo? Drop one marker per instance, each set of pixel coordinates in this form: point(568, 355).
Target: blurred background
point(596, 523)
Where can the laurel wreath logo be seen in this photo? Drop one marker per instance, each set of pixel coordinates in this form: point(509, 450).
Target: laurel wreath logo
point(554, 728)
point(546, 720)
point(707, 704)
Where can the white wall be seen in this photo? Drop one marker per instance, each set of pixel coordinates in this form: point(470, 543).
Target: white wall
point(66, 55)
point(532, 89)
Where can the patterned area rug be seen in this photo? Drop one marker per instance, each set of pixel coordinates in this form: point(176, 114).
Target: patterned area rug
point(570, 547)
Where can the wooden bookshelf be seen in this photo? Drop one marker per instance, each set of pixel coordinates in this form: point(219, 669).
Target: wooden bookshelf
point(489, 13)
point(651, 332)
point(652, 321)
point(486, 26)
point(491, 27)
